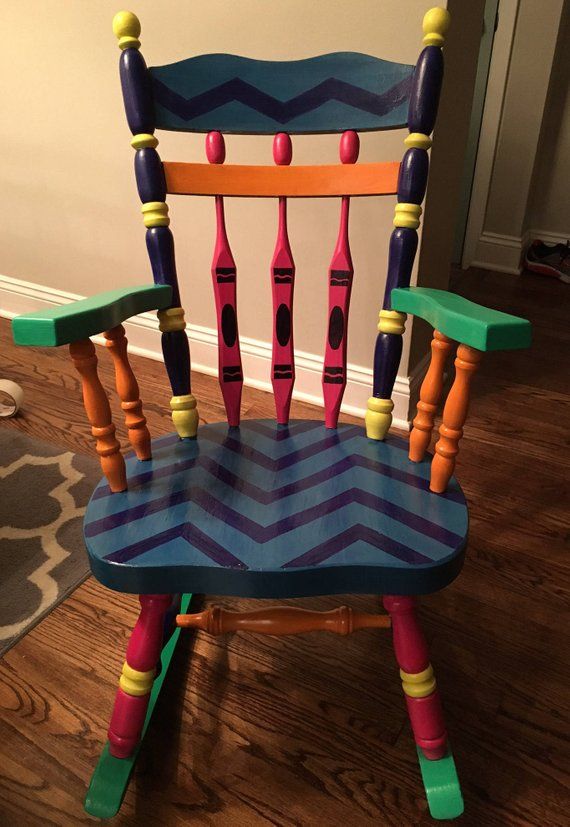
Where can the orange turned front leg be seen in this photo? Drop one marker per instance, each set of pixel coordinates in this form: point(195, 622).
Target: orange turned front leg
point(99, 414)
point(418, 682)
point(454, 416)
point(430, 394)
point(128, 390)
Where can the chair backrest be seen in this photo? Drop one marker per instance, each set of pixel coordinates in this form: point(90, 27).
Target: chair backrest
point(343, 93)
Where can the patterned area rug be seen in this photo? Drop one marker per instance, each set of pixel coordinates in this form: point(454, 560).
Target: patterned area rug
point(44, 491)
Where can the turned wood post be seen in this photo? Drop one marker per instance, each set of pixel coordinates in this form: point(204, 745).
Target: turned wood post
point(412, 183)
point(99, 414)
point(430, 394)
point(151, 184)
point(418, 681)
point(454, 416)
point(128, 390)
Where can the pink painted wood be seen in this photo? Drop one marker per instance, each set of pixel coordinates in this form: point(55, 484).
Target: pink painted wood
point(426, 716)
point(224, 275)
point(143, 652)
point(282, 288)
point(340, 284)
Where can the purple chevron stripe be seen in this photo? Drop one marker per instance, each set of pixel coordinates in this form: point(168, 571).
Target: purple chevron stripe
point(188, 532)
point(263, 534)
point(259, 458)
point(325, 550)
point(239, 90)
point(280, 432)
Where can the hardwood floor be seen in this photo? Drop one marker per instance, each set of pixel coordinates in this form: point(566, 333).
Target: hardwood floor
point(313, 730)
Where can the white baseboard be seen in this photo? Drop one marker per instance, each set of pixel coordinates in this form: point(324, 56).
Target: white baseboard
point(503, 253)
point(18, 296)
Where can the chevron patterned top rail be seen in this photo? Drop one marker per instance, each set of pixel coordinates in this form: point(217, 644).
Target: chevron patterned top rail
point(328, 93)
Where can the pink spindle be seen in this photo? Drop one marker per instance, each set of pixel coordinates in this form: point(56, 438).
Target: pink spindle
point(340, 284)
point(224, 280)
point(283, 283)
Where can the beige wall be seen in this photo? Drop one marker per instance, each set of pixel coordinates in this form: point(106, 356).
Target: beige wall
point(549, 208)
point(71, 218)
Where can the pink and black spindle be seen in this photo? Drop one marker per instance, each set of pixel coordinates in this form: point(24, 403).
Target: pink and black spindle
point(137, 95)
point(224, 281)
point(412, 183)
point(282, 287)
point(341, 272)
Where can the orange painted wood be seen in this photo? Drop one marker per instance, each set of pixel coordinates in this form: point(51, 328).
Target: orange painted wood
point(454, 416)
point(292, 182)
point(129, 394)
point(430, 393)
point(282, 620)
point(99, 414)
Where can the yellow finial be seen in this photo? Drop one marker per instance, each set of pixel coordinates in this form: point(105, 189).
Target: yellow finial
point(435, 25)
point(127, 28)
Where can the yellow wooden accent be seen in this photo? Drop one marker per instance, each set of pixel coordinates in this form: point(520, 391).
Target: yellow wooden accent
point(407, 215)
point(392, 321)
point(418, 140)
point(378, 417)
point(184, 415)
point(418, 685)
point(155, 214)
point(171, 319)
point(127, 28)
point(435, 25)
point(134, 682)
point(143, 140)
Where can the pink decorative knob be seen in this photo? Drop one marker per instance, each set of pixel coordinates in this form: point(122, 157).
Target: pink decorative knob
point(282, 149)
point(349, 147)
point(215, 148)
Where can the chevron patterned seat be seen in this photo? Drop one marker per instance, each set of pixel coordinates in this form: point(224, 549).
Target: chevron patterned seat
point(274, 511)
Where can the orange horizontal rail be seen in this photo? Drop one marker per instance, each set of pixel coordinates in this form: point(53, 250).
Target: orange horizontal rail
point(294, 182)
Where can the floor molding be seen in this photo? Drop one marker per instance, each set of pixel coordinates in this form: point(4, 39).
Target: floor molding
point(18, 296)
point(504, 253)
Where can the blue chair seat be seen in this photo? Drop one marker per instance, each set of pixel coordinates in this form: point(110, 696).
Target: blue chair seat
point(277, 511)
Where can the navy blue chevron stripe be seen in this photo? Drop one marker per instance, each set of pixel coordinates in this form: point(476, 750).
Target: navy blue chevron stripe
point(187, 532)
point(263, 534)
point(239, 90)
point(329, 548)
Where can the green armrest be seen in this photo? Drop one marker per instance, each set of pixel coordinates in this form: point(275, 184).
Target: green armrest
point(88, 317)
point(462, 320)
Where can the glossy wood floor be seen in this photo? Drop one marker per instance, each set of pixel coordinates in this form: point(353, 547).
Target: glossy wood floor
point(312, 731)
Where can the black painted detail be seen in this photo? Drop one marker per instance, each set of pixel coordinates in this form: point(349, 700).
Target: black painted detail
point(339, 283)
point(283, 324)
point(334, 370)
point(282, 271)
point(225, 279)
point(336, 327)
point(283, 279)
point(282, 375)
point(282, 371)
point(229, 325)
point(225, 271)
point(229, 369)
point(333, 380)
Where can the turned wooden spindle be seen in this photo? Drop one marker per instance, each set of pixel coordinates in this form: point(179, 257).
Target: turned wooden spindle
point(282, 620)
point(99, 414)
point(454, 416)
point(430, 393)
point(128, 390)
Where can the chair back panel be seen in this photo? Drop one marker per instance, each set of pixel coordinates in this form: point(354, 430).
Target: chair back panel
point(329, 93)
point(343, 93)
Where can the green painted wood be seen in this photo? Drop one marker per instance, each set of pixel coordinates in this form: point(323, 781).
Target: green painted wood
point(441, 785)
point(88, 317)
point(463, 320)
point(111, 776)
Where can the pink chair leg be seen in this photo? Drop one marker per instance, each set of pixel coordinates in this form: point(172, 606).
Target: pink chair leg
point(135, 684)
point(418, 682)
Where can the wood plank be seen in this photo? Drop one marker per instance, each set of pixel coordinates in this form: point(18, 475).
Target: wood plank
point(323, 180)
point(312, 730)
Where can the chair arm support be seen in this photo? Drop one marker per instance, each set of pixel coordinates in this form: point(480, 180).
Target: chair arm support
point(87, 317)
point(463, 320)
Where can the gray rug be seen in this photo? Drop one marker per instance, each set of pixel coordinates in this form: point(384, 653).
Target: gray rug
point(44, 490)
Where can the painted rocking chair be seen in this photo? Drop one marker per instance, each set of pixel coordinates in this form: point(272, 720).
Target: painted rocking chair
point(277, 509)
